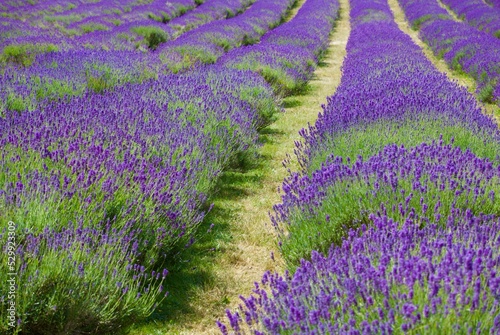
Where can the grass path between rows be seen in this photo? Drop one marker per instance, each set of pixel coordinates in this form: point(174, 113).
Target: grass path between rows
point(440, 64)
point(225, 263)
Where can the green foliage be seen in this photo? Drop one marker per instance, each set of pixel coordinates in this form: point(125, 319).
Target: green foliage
point(455, 62)
point(265, 104)
point(65, 19)
point(155, 38)
point(16, 102)
point(152, 35)
point(164, 17)
point(485, 94)
point(417, 23)
point(249, 40)
point(24, 54)
point(189, 55)
point(90, 27)
point(101, 82)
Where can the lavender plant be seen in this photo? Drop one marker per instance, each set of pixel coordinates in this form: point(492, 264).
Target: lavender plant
point(124, 177)
point(79, 280)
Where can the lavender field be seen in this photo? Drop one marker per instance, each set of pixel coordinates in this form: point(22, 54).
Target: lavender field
point(249, 167)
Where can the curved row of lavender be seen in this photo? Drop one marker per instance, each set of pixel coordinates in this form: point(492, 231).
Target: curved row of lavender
point(402, 174)
point(478, 14)
point(127, 173)
point(463, 47)
point(286, 56)
point(207, 43)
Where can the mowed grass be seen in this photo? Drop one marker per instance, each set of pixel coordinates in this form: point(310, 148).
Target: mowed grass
point(226, 262)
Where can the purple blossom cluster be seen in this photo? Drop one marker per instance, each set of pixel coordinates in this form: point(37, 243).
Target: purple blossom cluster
point(478, 14)
point(462, 46)
point(291, 49)
point(210, 41)
point(386, 278)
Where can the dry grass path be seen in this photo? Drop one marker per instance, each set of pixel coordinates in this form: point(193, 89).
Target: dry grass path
point(440, 64)
point(246, 197)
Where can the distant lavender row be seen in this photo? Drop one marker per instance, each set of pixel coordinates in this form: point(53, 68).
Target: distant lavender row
point(62, 74)
point(386, 279)
point(463, 47)
point(287, 55)
point(46, 22)
point(125, 36)
point(477, 14)
point(207, 43)
point(57, 74)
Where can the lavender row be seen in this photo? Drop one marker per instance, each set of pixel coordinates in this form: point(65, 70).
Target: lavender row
point(388, 82)
point(286, 56)
point(387, 278)
point(401, 174)
point(464, 48)
point(478, 14)
point(206, 44)
point(133, 165)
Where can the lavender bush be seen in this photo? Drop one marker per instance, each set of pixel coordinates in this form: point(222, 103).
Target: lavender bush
point(386, 278)
point(123, 177)
point(79, 280)
point(425, 184)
